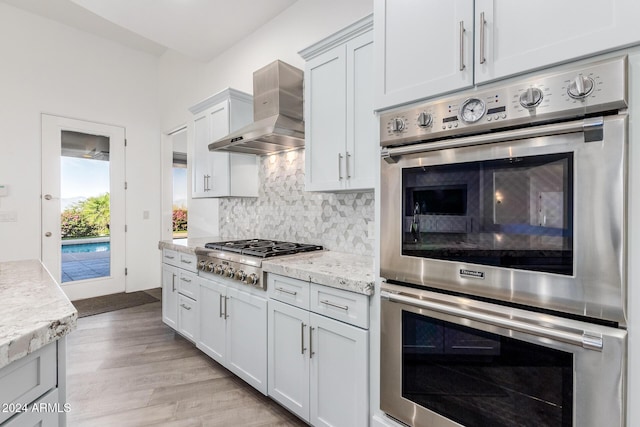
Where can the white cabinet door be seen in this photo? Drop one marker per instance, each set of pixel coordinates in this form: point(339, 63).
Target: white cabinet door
point(218, 128)
point(289, 357)
point(188, 317)
point(362, 150)
point(201, 160)
point(339, 373)
point(246, 343)
point(170, 296)
point(522, 35)
point(423, 48)
point(212, 336)
point(325, 118)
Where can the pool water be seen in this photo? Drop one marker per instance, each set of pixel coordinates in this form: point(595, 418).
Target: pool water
point(86, 247)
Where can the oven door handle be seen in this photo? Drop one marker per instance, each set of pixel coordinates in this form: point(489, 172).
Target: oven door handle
point(591, 127)
point(587, 340)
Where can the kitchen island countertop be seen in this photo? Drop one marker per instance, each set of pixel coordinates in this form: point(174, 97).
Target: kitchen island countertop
point(34, 311)
point(340, 270)
point(188, 245)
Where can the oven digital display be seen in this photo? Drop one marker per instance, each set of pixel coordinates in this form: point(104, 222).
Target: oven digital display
point(497, 110)
point(450, 119)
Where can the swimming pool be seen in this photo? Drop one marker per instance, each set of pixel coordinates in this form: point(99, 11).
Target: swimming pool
point(86, 247)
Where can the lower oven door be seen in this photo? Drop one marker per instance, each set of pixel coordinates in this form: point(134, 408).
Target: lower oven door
point(450, 361)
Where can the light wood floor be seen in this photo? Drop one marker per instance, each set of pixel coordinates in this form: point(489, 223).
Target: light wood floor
point(126, 368)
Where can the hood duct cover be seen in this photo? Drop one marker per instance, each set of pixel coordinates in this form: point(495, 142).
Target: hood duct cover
point(277, 113)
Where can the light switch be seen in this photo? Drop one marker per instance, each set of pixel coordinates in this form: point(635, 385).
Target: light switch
point(4, 190)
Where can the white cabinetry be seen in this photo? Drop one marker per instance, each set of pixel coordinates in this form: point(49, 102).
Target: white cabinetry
point(220, 174)
point(180, 293)
point(318, 366)
point(428, 48)
point(233, 329)
point(340, 127)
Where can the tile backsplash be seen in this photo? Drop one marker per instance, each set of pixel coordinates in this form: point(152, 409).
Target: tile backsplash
point(284, 211)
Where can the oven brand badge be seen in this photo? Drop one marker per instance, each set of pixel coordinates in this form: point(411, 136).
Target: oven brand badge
point(472, 274)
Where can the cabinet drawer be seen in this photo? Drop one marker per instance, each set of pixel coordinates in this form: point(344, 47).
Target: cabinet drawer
point(348, 307)
point(291, 291)
point(188, 262)
point(44, 417)
point(26, 379)
point(170, 257)
point(188, 318)
point(188, 284)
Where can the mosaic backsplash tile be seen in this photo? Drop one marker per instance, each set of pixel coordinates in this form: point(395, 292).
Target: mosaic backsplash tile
point(284, 211)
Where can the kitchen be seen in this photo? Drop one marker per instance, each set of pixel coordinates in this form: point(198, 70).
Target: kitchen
point(38, 81)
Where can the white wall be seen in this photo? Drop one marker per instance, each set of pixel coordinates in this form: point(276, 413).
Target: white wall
point(49, 67)
point(184, 82)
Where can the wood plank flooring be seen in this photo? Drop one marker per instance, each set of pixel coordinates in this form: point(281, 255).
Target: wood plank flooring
point(127, 368)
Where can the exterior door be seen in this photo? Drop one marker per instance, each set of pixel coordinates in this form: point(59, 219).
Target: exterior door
point(93, 262)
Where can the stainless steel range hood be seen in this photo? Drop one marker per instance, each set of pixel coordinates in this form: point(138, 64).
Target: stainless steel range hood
point(277, 113)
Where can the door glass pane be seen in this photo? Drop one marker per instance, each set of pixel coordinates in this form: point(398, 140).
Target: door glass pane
point(179, 195)
point(515, 212)
point(481, 379)
point(85, 205)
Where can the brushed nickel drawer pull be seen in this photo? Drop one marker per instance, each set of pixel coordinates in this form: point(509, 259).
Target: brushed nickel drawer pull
point(169, 256)
point(302, 348)
point(185, 307)
point(483, 24)
point(462, 30)
point(220, 301)
point(286, 291)
point(311, 352)
point(185, 261)
point(333, 304)
point(185, 280)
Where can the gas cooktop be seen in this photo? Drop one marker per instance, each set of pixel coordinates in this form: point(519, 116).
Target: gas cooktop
point(262, 248)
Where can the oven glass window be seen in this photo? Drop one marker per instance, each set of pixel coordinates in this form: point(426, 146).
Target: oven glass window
point(481, 379)
point(515, 212)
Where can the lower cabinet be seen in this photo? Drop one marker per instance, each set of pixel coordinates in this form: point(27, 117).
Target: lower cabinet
point(180, 293)
point(233, 329)
point(169, 296)
point(318, 367)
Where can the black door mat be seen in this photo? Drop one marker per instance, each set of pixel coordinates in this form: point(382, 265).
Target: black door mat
point(104, 304)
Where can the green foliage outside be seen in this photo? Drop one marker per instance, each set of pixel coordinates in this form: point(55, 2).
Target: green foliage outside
point(88, 218)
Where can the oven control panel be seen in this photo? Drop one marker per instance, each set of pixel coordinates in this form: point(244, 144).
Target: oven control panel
point(569, 93)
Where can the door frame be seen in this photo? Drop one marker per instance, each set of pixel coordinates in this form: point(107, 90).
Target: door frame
point(52, 127)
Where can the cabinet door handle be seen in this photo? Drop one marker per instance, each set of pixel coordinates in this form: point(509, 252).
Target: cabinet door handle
point(286, 291)
point(347, 165)
point(186, 307)
point(311, 352)
point(220, 301)
point(462, 30)
point(302, 348)
point(169, 257)
point(185, 280)
point(333, 304)
point(173, 282)
point(186, 261)
point(226, 313)
point(483, 24)
point(339, 166)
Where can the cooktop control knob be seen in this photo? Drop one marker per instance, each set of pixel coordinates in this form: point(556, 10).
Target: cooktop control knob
point(231, 272)
point(397, 124)
point(211, 266)
point(531, 98)
point(220, 269)
point(201, 265)
point(252, 279)
point(241, 275)
point(424, 120)
point(580, 87)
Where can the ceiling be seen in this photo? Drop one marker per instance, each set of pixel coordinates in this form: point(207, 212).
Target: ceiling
point(200, 29)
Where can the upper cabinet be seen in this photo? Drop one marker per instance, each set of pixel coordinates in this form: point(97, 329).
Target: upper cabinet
point(340, 140)
point(431, 47)
point(220, 174)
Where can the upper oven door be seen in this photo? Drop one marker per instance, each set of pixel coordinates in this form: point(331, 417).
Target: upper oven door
point(531, 216)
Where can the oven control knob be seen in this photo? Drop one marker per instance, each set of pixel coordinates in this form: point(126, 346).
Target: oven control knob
point(220, 269)
point(211, 266)
point(231, 272)
point(397, 124)
point(531, 98)
point(241, 275)
point(253, 279)
point(580, 87)
point(424, 120)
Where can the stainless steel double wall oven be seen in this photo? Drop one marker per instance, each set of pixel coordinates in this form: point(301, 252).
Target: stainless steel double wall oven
point(503, 253)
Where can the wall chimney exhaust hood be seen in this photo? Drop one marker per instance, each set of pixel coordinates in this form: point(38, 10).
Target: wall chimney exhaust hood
point(277, 113)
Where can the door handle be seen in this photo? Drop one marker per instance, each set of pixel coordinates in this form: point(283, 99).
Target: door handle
point(226, 313)
point(339, 166)
point(302, 348)
point(483, 24)
point(311, 352)
point(48, 234)
point(220, 301)
point(347, 165)
point(48, 197)
point(173, 282)
point(462, 30)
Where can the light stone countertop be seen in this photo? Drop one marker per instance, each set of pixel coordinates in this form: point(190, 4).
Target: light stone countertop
point(335, 269)
point(188, 245)
point(34, 311)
